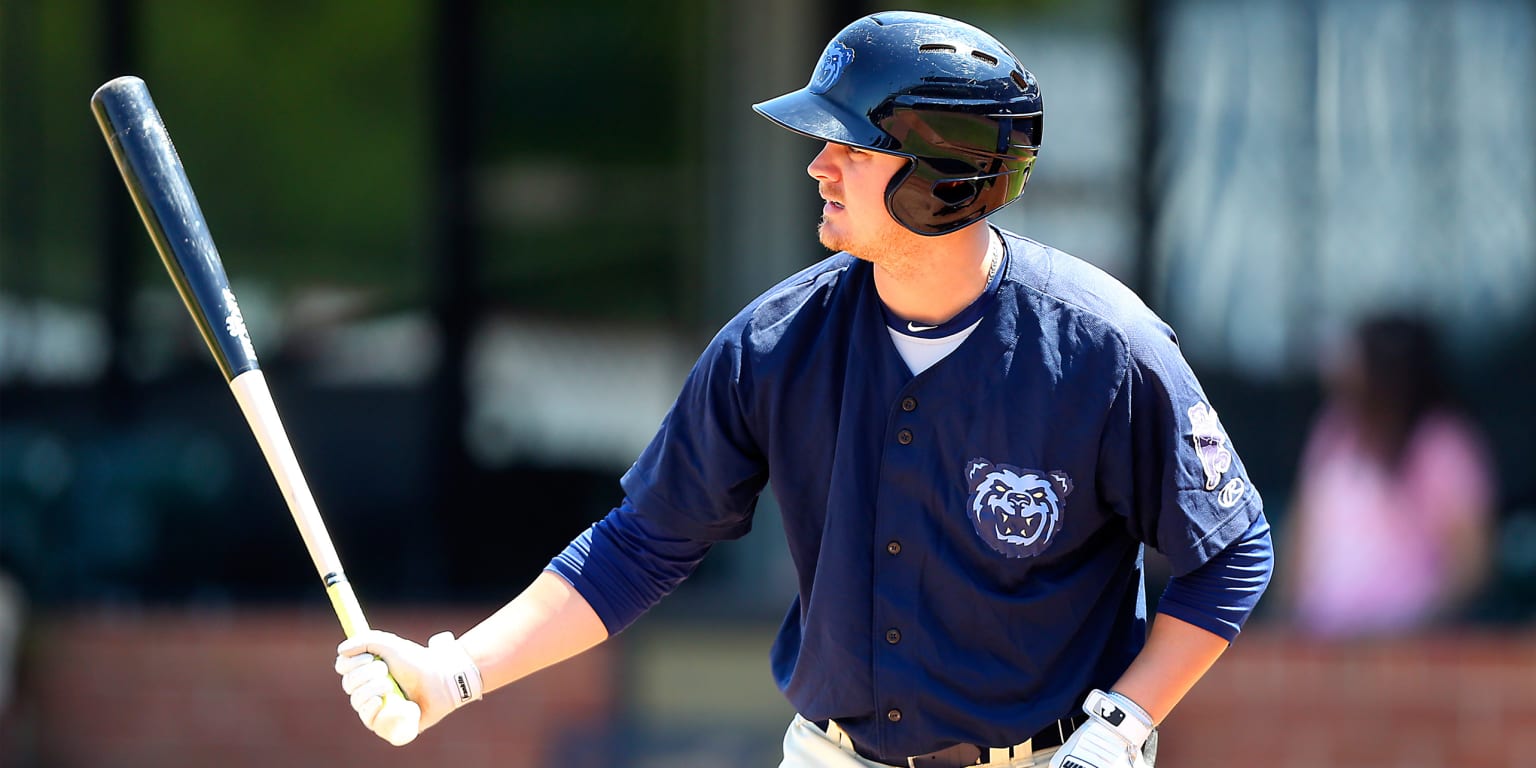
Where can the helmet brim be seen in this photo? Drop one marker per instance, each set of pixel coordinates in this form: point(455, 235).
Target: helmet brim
point(818, 117)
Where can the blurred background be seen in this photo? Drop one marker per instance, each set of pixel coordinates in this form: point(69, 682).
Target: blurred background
point(478, 244)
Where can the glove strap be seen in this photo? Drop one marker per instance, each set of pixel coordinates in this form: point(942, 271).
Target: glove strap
point(1120, 713)
point(464, 683)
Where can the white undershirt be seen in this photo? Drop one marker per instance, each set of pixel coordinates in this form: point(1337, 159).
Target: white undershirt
point(920, 353)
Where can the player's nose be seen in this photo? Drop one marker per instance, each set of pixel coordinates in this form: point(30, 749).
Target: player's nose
point(823, 166)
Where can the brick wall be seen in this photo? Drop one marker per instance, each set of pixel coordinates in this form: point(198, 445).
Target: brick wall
point(256, 688)
point(1466, 700)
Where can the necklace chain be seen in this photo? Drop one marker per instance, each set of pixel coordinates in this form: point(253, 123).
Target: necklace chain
point(994, 256)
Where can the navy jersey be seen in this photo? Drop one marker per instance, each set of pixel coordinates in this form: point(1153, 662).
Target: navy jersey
point(968, 541)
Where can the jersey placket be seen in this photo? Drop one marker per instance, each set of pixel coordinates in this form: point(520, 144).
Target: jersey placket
point(900, 548)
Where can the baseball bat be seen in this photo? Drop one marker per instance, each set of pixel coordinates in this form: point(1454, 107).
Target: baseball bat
point(153, 172)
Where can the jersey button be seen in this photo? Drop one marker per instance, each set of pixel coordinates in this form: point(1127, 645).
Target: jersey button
point(893, 636)
point(909, 404)
point(904, 437)
point(893, 547)
point(893, 715)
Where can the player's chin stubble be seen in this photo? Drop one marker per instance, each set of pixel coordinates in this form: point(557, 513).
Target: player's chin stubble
point(829, 239)
point(834, 239)
point(887, 250)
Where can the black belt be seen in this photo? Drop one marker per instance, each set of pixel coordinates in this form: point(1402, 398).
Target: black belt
point(961, 755)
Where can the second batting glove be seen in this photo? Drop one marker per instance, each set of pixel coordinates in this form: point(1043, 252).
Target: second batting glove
point(1118, 734)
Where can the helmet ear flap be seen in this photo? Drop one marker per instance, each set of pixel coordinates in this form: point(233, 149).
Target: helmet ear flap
point(894, 191)
point(914, 197)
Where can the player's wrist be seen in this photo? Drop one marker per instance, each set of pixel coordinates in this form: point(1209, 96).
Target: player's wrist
point(461, 680)
point(1121, 714)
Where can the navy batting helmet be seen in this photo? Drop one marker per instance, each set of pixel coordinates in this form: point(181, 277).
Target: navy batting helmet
point(940, 92)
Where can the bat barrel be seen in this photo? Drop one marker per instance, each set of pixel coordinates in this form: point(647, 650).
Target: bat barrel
point(155, 177)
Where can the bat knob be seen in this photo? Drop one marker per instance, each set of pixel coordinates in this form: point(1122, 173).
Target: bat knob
point(399, 721)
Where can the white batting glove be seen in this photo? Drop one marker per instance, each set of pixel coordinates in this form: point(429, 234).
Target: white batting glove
point(438, 678)
point(1116, 735)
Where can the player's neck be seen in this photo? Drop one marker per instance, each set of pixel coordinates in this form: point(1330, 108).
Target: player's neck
point(941, 278)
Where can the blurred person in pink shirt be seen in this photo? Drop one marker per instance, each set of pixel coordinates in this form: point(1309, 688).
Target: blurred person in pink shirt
point(1390, 526)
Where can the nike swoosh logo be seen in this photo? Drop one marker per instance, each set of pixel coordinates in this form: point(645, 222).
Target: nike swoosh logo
point(915, 328)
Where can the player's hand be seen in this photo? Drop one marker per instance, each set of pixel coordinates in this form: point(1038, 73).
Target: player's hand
point(1116, 736)
point(438, 678)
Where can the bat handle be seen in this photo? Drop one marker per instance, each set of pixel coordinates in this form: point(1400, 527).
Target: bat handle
point(352, 622)
point(344, 601)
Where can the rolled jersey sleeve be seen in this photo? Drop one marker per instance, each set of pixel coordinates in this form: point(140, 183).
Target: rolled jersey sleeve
point(1167, 464)
point(695, 484)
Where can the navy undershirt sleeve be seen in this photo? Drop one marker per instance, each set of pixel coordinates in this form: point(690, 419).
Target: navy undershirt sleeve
point(1220, 595)
point(622, 568)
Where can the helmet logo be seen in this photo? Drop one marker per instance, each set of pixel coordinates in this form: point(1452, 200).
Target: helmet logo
point(833, 61)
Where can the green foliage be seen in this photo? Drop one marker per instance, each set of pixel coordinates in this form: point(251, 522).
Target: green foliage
point(306, 130)
point(586, 122)
point(302, 128)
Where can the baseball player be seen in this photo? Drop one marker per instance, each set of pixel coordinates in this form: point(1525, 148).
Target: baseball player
point(972, 437)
